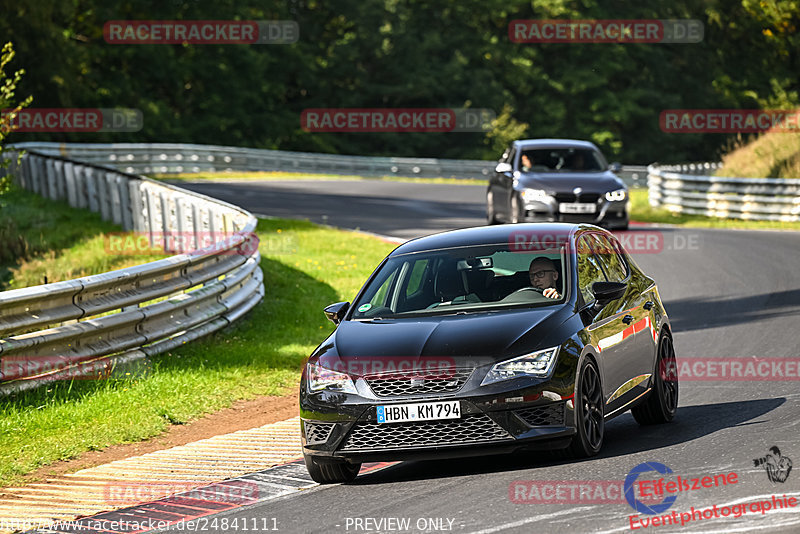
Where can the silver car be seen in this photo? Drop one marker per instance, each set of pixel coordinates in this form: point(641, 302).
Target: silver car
point(556, 180)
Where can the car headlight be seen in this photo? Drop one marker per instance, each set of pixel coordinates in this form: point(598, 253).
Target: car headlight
point(535, 195)
point(320, 378)
point(619, 194)
point(537, 364)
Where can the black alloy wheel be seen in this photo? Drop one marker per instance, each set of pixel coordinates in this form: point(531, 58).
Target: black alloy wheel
point(662, 402)
point(589, 412)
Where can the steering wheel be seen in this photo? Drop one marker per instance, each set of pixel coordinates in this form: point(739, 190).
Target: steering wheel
point(529, 288)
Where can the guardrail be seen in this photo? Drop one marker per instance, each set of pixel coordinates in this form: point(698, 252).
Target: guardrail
point(90, 327)
point(686, 189)
point(187, 158)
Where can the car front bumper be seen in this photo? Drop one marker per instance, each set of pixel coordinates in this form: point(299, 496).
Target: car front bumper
point(532, 416)
point(611, 214)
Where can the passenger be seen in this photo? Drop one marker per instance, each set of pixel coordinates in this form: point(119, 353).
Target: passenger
point(526, 162)
point(543, 275)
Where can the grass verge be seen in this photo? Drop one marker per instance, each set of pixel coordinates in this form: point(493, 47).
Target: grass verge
point(41, 239)
point(260, 355)
point(641, 211)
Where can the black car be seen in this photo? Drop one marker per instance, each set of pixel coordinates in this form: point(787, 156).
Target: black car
point(556, 180)
point(448, 350)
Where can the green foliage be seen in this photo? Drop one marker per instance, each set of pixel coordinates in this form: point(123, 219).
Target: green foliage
point(8, 111)
point(410, 53)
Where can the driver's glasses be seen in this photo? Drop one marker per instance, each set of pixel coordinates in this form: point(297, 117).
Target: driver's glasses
point(540, 274)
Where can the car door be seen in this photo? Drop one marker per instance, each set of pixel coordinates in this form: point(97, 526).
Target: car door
point(609, 329)
point(640, 303)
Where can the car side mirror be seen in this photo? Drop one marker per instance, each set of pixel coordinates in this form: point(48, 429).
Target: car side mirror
point(503, 168)
point(335, 312)
point(615, 167)
point(605, 292)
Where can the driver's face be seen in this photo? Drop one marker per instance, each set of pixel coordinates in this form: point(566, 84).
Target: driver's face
point(543, 276)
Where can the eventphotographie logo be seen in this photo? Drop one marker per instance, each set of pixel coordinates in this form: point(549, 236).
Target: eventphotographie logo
point(776, 465)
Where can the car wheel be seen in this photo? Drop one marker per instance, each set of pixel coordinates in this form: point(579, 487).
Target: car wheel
point(589, 413)
point(515, 215)
point(331, 471)
point(491, 217)
point(662, 402)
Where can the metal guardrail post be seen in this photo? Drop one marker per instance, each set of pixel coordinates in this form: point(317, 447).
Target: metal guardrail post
point(40, 340)
point(770, 199)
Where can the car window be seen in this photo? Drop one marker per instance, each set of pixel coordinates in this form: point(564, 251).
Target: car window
point(415, 278)
point(565, 160)
point(608, 255)
point(463, 279)
point(589, 269)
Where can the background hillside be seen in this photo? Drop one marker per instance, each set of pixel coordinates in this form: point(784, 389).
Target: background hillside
point(408, 53)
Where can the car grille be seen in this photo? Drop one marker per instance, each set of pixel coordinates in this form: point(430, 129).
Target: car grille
point(471, 429)
point(552, 414)
point(417, 382)
point(318, 432)
point(583, 198)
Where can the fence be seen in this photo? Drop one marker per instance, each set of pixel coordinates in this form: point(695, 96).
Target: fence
point(186, 158)
point(685, 189)
point(91, 326)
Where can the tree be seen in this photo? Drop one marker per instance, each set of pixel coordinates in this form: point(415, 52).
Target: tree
point(8, 109)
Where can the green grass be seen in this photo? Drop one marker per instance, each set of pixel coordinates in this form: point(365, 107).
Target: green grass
point(42, 239)
point(770, 155)
point(641, 211)
point(305, 268)
point(281, 176)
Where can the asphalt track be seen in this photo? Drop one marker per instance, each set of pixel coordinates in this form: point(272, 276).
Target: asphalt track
point(730, 294)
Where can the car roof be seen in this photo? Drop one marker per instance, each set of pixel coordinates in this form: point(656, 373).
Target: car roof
point(486, 235)
point(554, 143)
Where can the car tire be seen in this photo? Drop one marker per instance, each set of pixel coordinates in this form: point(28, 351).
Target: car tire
point(661, 404)
point(331, 471)
point(589, 412)
point(491, 217)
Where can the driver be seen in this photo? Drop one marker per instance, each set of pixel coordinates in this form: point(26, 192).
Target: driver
point(543, 275)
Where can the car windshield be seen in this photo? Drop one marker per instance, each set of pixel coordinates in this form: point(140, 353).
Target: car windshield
point(562, 160)
point(460, 280)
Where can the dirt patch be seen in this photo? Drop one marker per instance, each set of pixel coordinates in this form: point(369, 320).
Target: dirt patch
point(243, 415)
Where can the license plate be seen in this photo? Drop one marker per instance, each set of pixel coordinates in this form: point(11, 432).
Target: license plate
point(577, 207)
point(422, 411)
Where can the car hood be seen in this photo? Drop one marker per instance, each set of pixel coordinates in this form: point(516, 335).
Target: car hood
point(597, 182)
point(454, 340)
